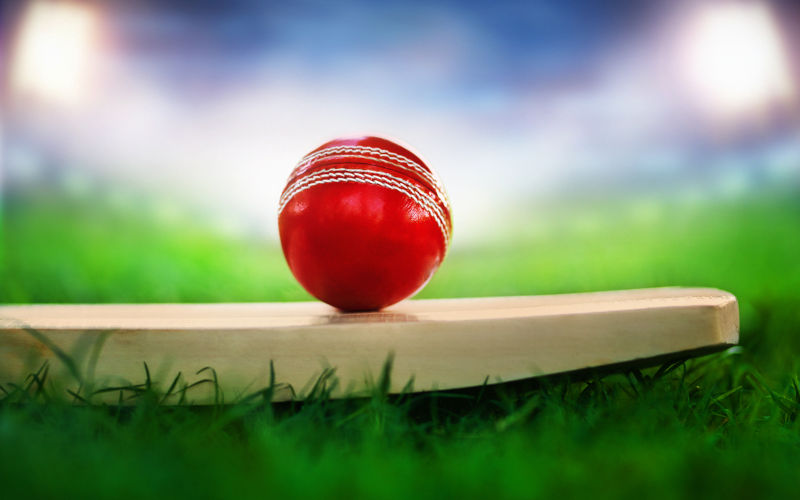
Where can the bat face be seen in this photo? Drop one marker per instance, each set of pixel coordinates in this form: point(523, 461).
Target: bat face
point(441, 344)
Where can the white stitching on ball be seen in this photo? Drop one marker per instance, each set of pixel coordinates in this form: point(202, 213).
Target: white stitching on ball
point(347, 175)
point(373, 177)
point(367, 181)
point(434, 182)
point(377, 152)
point(422, 197)
point(381, 154)
point(370, 173)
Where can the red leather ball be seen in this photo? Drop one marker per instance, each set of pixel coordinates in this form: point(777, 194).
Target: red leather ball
point(364, 223)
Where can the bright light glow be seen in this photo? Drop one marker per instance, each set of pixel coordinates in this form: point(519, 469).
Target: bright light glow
point(734, 59)
point(54, 52)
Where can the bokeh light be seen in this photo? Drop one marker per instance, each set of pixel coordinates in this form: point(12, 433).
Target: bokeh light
point(54, 52)
point(735, 60)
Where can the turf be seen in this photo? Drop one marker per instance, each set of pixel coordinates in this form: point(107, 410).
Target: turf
point(723, 425)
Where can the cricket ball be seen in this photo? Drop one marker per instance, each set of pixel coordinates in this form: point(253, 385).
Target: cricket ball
point(364, 223)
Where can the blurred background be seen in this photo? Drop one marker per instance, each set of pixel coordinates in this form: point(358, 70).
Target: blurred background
point(585, 145)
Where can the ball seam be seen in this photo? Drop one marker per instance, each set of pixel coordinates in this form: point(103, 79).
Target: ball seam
point(379, 153)
point(347, 174)
point(429, 201)
point(328, 177)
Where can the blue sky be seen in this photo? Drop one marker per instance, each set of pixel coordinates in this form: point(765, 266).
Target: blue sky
point(503, 44)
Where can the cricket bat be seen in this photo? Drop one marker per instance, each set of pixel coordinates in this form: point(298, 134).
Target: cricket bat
point(435, 344)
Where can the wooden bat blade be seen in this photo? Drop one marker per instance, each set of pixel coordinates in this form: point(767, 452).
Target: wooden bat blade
point(440, 344)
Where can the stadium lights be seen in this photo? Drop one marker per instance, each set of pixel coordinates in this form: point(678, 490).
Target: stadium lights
point(54, 52)
point(733, 59)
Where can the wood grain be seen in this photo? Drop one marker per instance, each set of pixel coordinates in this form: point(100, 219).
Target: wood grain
point(441, 344)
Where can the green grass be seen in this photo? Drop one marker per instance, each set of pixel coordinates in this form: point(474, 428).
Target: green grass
point(723, 425)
